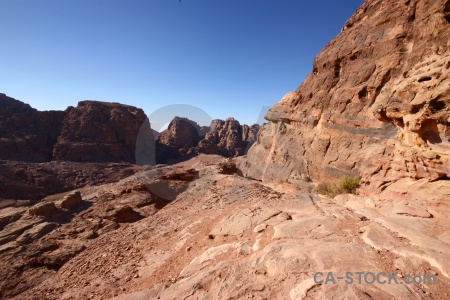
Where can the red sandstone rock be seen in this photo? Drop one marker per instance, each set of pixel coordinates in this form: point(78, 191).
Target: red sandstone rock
point(99, 132)
point(25, 133)
point(180, 138)
point(376, 103)
point(227, 138)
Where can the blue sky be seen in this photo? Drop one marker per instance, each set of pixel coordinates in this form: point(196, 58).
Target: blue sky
point(226, 57)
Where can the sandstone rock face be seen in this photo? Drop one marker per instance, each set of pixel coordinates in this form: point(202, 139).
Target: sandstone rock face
point(25, 133)
point(92, 132)
point(179, 138)
point(227, 138)
point(376, 104)
point(99, 132)
point(184, 137)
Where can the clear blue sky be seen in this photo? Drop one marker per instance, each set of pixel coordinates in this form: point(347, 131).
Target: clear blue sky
point(227, 57)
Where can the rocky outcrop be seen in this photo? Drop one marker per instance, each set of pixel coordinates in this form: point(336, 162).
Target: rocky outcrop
point(180, 138)
point(184, 137)
point(91, 132)
point(25, 133)
point(37, 240)
point(227, 138)
point(99, 132)
point(376, 103)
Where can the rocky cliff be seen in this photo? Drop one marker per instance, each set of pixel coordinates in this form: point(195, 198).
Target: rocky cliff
point(25, 133)
point(376, 104)
point(180, 138)
point(99, 132)
point(184, 137)
point(91, 132)
point(228, 138)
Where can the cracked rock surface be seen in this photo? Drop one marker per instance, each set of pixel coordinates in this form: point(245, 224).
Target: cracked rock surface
point(229, 237)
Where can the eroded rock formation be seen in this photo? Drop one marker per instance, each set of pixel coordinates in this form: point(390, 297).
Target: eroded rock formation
point(25, 133)
point(99, 132)
point(228, 138)
point(180, 138)
point(91, 132)
point(225, 237)
point(185, 137)
point(376, 103)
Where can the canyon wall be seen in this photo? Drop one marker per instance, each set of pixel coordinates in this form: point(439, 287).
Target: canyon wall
point(185, 137)
point(99, 132)
point(25, 133)
point(376, 104)
point(91, 132)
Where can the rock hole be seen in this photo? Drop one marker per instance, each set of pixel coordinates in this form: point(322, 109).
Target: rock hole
point(407, 2)
point(429, 132)
point(362, 93)
point(447, 11)
point(315, 71)
point(426, 78)
point(416, 108)
point(399, 122)
point(437, 106)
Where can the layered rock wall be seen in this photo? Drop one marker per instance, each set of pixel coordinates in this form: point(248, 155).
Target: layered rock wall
point(91, 132)
point(99, 132)
point(25, 133)
point(227, 138)
point(376, 104)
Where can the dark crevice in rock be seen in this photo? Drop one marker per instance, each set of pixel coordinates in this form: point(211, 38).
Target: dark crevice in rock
point(425, 78)
point(437, 105)
point(337, 68)
point(399, 122)
point(362, 93)
point(429, 132)
point(447, 11)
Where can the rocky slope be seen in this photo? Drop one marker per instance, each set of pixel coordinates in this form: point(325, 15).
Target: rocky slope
point(34, 181)
point(376, 104)
point(224, 237)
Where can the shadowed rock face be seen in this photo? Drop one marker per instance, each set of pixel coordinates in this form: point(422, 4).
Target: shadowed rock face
point(92, 132)
point(183, 136)
point(228, 138)
point(99, 132)
point(376, 103)
point(25, 133)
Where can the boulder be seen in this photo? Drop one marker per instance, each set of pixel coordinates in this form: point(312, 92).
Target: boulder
point(42, 209)
point(71, 200)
